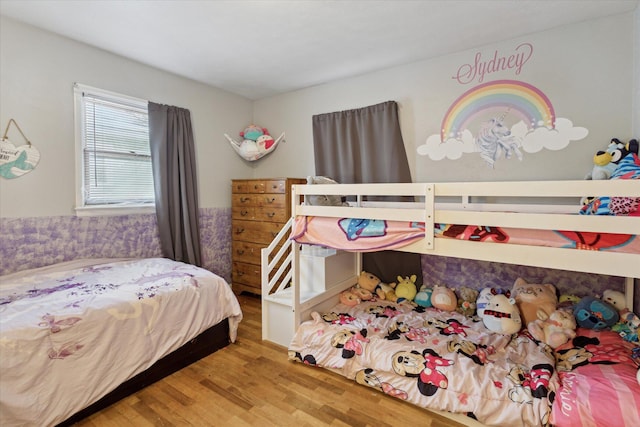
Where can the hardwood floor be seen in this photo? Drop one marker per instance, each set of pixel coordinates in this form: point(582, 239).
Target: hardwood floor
point(251, 383)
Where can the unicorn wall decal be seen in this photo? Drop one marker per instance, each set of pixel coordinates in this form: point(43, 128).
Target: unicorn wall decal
point(495, 139)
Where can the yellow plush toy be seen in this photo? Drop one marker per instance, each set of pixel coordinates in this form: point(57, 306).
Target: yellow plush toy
point(406, 288)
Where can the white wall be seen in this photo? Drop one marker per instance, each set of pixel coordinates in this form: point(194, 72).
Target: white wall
point(37, 72)
point(585, 69)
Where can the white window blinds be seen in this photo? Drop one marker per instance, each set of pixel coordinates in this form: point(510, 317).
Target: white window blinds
point(115, 154)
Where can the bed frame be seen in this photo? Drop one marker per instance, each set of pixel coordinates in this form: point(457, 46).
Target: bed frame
point(298, 279)
point(208, 342)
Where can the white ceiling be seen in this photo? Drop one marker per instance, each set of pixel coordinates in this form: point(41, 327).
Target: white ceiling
point(261, 48)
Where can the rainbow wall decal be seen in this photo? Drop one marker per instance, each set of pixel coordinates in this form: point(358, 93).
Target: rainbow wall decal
point(519, 100)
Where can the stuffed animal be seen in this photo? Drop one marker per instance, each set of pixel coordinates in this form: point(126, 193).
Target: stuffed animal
point(443, 298)
point(322, 199)
point(534, 301)
point(628, 168)
point(605, 162)
point(467, 301)
point(373, 284)
point(616, 299)
point(406, 288)
point(501, 315)
point(485, 295)
point(423, 297)
point(349, 298)
point(256, 143)
point(556, 330)
point(568, 301)
point(264, 143)
point(628, 327)
point(253, 132)
point(362, 293)
point(593, 313)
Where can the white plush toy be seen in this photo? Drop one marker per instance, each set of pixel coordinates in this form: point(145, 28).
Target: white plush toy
point(501, 315)
point(556, 330)
point(615, 298)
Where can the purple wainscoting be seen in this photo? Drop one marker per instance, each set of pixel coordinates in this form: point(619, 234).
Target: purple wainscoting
point(457, 272)
point(39, 241)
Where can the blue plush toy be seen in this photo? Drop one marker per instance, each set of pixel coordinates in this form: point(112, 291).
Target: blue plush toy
point(593, 313)
point(423, 297)
point(606, 162)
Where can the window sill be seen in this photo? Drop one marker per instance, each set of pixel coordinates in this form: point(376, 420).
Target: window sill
point(104, 210)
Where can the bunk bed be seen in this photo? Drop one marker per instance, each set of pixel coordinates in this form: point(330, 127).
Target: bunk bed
point(77, 336)
point(307, 267)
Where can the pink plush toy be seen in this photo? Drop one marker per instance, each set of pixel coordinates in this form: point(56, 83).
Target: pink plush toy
point(444, 298)
point(556, 330)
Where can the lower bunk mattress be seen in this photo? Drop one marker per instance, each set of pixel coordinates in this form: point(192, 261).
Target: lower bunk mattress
point(73, 332)
point(447, 361)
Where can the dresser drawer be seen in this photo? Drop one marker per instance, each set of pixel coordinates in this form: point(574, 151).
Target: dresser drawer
point(246, 274)
point(243, 212)
point(271, 214)
point(246, 251)
point(259, 213)
point(247, 186)
point(276, 201)
point(255, 231)
point(259, 186)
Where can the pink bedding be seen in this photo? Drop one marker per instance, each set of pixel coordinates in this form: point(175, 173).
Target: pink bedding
point(599, 385)
point(373, 235)
point(355, 234)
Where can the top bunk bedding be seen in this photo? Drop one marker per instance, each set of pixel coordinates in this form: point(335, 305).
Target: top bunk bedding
point(538, 221)
point(72, 332)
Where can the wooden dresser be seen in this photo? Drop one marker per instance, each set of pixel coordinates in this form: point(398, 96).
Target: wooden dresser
point(259, 209)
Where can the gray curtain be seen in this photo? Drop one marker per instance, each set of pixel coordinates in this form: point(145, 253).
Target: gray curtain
point(175, 181)
point(365, 146)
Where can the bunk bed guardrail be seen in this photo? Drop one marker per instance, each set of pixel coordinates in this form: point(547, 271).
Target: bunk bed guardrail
point(542, 205)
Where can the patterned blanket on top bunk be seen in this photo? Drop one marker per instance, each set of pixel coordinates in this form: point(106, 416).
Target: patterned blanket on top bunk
point(447, 361)
point(365, 235)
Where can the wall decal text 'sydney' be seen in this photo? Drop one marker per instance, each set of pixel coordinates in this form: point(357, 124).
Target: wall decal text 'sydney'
point(501, 118)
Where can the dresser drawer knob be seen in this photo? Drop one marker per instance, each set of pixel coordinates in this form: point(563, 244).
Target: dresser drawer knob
point(244, 199)
point(244, 213)
point(240, 251)
point(271, 214)
point(271, 200)
point(239, 230)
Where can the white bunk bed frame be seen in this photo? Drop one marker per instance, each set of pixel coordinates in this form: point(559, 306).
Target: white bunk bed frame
point(297, 281)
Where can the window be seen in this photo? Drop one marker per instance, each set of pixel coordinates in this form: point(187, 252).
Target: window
point(113, 155)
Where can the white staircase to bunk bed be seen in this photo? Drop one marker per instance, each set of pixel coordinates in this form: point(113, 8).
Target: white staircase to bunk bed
point(324, 273)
